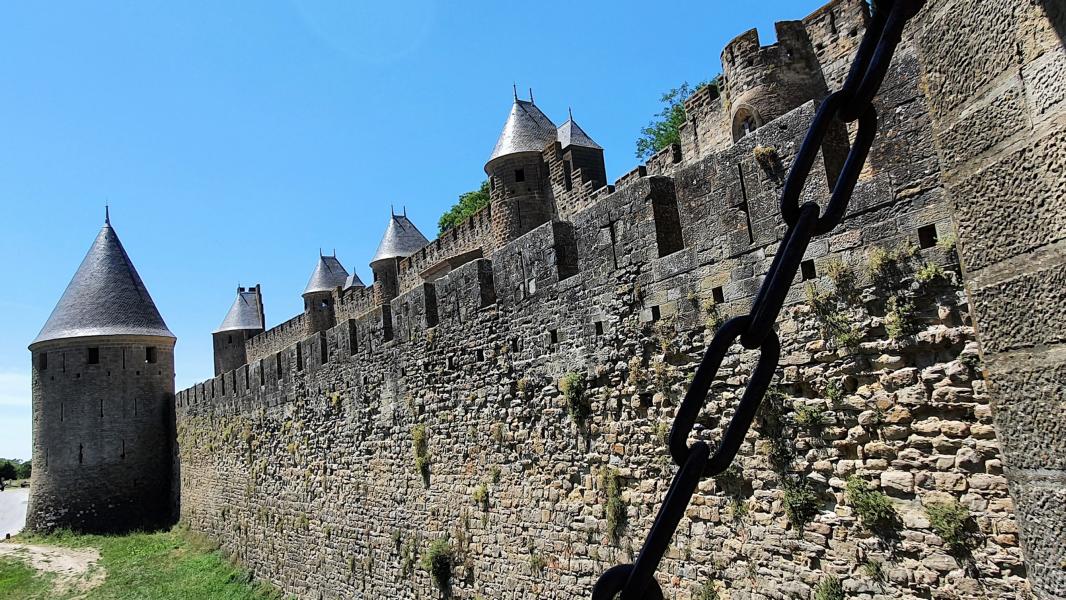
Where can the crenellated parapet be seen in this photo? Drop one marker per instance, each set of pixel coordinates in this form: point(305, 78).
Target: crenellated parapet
point(761, 83)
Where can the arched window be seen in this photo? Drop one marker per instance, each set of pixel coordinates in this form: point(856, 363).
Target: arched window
point(745, 121)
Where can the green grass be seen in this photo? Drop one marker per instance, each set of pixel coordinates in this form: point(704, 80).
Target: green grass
point(172, 564)
point(19, 582)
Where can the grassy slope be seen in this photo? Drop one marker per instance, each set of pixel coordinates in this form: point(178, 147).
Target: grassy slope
point(170, 564)
point(19, 582)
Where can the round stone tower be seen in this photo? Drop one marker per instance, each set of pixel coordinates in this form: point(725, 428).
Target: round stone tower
point(519, 182)
point(761, 83)
point(243, 321)
point(401, 239)
point(103, 402)
point(329, 274)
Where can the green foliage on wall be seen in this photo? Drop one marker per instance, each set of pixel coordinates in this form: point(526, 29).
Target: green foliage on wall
point(438, 562)
point(662, 131)
point(468, 204)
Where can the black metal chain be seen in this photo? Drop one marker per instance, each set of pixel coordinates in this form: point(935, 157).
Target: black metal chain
point(853, 102)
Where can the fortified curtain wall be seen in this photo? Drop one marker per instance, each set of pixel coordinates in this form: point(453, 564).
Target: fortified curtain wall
point(330, 465)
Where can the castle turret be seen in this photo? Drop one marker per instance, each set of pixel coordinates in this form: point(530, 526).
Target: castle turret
point(329, 274)
point(244, 320)
point(103, 393)
point(518, 176)
point(582, 158)
point(762, 83)
point(353, 282)
point(401, 239)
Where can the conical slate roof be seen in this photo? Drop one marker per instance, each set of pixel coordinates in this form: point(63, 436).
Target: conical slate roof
point(245, 312)
point(527, 130)
point(329, 273)
point(401, 239)
point(571, 134)
point(105, 297)
point(353, 281)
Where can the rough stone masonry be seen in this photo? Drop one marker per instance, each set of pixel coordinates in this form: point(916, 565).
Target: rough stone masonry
point(507, 388)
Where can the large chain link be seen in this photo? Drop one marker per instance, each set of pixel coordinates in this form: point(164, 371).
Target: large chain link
point(853, 102)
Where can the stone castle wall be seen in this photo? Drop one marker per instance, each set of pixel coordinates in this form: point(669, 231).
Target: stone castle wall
point(303, 463)
point(998, 111)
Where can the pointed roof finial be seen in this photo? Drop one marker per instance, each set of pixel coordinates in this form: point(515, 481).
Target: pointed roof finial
point(405, 210)
point(320, 251)
point(570, 112)
point(107, 214)
point(531, 96)
point(514, 85)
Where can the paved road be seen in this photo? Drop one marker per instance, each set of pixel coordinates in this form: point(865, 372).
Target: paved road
point(13, 510)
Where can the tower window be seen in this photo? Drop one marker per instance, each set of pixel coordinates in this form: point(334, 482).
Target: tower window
point(94, 356)
point(656, 313)
point(519, 175)
point(42, 361)
point(149, 355)
point(718, 295)
point(747, 126)
point(599, 327)
point(807, 270)
point(927, 236)
point(492, 184)
point(553, 336)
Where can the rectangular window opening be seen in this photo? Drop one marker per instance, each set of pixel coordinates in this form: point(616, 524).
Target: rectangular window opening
point(667, 219)
point(94, 356)
point(149, 355)
point(299, 357)
point(807, 270)
point(519, 175)
point(927, 236)
point(718, 295)
point(656, 314)
point(323, 345)
point(42, 361)
point(553, 337)
point(599, 327)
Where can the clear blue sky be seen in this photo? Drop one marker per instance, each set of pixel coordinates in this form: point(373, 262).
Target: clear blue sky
point(233, 139)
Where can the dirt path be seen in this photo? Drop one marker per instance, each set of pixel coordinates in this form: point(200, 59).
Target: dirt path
point(75, 569)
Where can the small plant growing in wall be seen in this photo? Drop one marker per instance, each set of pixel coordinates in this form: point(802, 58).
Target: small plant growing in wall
point(737, 509)
point(421, 448)
point(536, 562)
point(437, 561)
point(900, 318)
point(714, 316)
point(573, 386)
point(874, 569)
point(611, 483)
point(829, 589)
point(833, 392)
point(766, 156)
point(809, 416)
point(928, 272)
point(835, 324)
point(845, 283)
point(801, 502)
point(873, 506)
point(949, 520)
point(708, 591)
point(480, 496)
